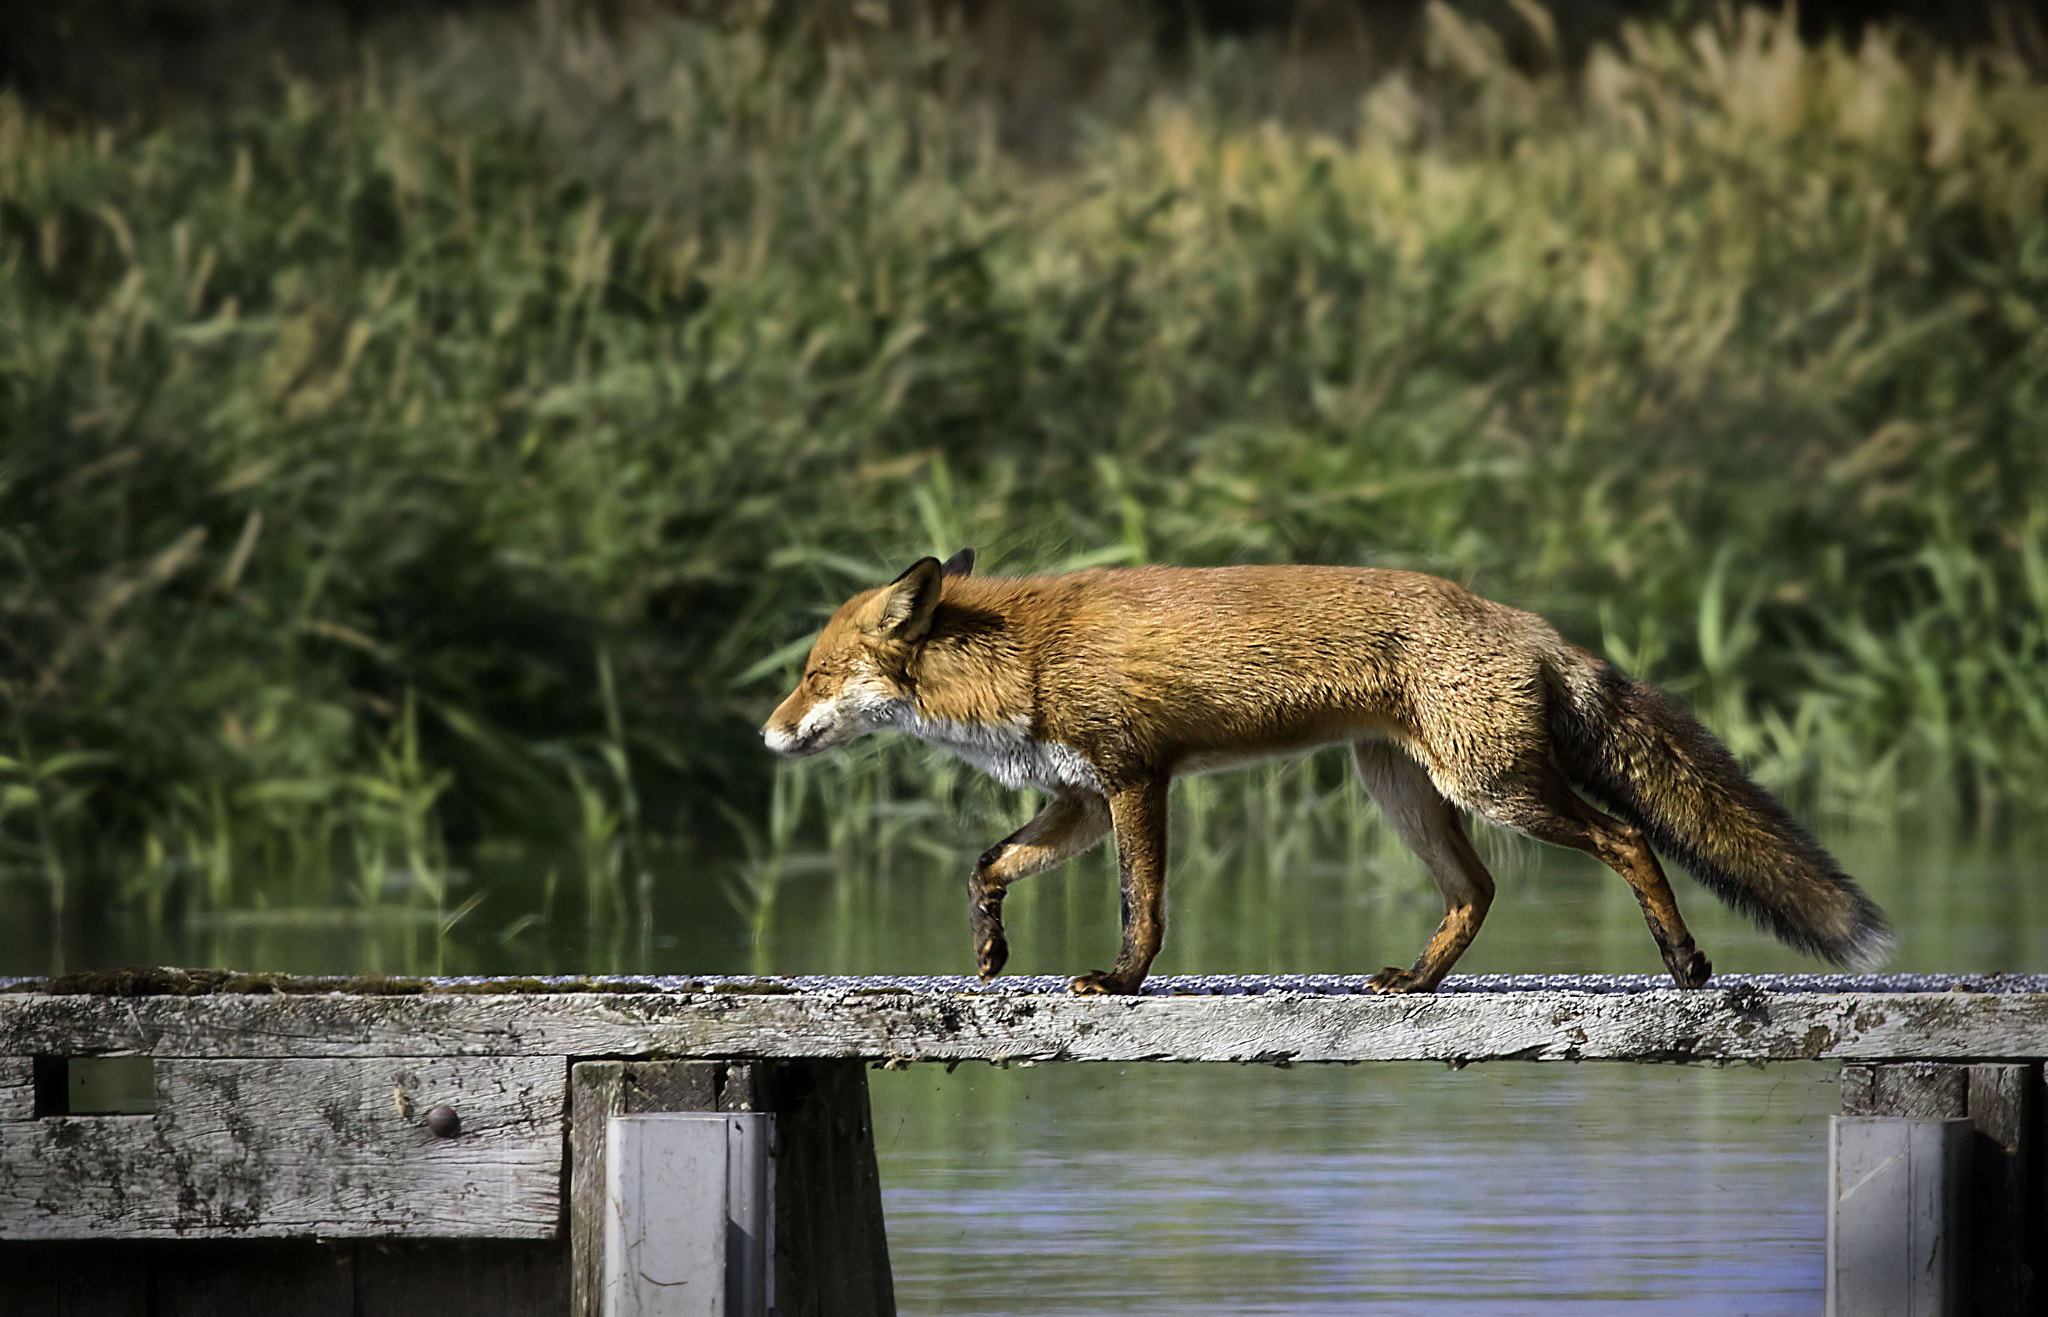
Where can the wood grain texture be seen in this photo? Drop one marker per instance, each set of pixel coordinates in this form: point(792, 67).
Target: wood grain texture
point(831, 1249)
point(17, 1088)
point(1737, 1024)
point(298, 1147)
point(1913, 1091)
point(599, 1090)
point(2003, 1225)
point(2005, 1214)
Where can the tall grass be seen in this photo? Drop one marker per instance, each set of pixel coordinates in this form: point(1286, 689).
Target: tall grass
point(452, 462)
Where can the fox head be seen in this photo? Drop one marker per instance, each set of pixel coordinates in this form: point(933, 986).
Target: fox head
point(856, 679)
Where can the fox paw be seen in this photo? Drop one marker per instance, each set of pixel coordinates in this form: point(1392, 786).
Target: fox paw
point(1099, 983)
point(991, 948)
point(1391, 980)
point(1691, 972)
point(991, 953)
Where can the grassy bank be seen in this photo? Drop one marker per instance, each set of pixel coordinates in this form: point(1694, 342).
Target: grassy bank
point(448, 465)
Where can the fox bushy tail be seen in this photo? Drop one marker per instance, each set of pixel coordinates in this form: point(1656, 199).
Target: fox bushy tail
point(1638, 753)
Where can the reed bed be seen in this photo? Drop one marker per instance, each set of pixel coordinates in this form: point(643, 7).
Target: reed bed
point(438, 472)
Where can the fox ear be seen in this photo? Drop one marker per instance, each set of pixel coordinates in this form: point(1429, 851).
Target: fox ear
point(960, 564)
point(908, 602)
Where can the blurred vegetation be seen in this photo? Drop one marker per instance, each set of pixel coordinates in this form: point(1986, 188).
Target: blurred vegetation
point(445, 465)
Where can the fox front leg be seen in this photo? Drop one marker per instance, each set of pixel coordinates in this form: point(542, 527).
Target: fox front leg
point(1066, 826)
point(1139, 816)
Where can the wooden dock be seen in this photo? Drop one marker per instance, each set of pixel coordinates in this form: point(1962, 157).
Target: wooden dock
point(428, 1145)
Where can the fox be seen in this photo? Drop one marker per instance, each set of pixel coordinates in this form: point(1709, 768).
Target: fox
point(1097, 688)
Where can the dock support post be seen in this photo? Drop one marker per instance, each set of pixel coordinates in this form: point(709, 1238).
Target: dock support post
point(687, 1228)
point(830, 1253)
point(2000, 1228)
point(1894, 1193)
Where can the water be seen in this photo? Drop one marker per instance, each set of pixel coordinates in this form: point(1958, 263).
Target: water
point(1384, 1189)
point(1501, 1189)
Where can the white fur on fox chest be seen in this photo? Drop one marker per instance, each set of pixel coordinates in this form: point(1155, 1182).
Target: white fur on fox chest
point(1006, 752)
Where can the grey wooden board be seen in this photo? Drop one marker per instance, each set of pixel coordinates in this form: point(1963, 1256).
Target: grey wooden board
point(17, 1088)
point(329, 1147)
point(598, 1091)
point(1921, 1091)
point(1894, 1227)
point(687, 1214)
point(831, 1249)
point(1740, 1024)
point(2002, 1220)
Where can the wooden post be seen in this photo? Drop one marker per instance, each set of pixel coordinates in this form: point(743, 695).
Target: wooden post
point(2007, 1240)
point(1894, 1194)
point(2000, 1229)
point(687, 1230)
point(831, 1255)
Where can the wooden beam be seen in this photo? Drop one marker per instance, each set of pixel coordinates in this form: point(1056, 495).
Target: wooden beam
point(687, 1218)
point(599, 1090)
point(2002, 1223)
point(831, 1249)
point(300, 1147)
point(17, 1088)
point(1739, 1024)
point(831, 1252)
point(1895, 1186)
point(2003, 1211)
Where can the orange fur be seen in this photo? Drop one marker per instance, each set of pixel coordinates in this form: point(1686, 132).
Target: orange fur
point(1099, 687)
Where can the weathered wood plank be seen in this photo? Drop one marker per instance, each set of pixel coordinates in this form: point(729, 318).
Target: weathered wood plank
point(599, 1090)
point(2002, 1213)
point(1915, 1092)
point(17, 1088)
point(1739, 1024)
point(2002, 1209)
point(330, 1147)
point(1895, 1189)
point(831, 1246)
point(832, 1255)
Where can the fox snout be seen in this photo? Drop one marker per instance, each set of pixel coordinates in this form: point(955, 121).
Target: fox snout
point(806, 725)
point(784, 741)
point(852, 682)
point(793, 729)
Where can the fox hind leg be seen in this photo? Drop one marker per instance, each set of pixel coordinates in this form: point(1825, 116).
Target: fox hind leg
point(1545, 807)
point(1430, 825)
point(1063, 829)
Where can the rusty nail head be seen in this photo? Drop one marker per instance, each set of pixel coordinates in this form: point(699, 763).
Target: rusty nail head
point(444, 1122)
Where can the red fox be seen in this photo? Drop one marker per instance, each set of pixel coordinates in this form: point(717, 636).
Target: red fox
point(1097, 688)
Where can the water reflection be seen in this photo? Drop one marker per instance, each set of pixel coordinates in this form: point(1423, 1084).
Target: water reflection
point(1385, 1189)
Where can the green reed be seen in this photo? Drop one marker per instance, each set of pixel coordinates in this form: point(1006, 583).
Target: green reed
point(452, 462)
